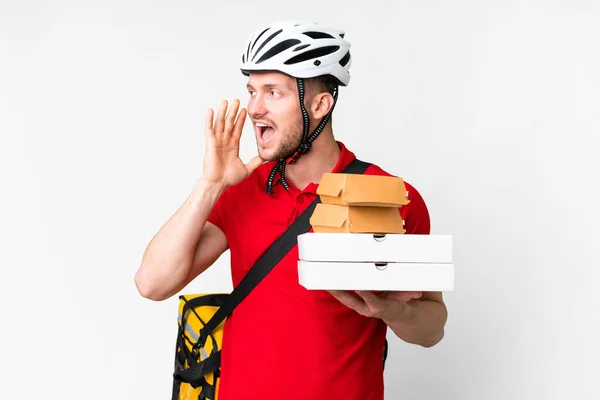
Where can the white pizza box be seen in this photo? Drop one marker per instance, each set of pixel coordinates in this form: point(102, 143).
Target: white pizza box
point(376, 276)
point(366, 247)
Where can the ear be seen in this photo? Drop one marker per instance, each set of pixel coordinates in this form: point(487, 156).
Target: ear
point(321, 104)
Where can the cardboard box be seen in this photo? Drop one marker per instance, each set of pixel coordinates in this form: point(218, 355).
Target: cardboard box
point(348, 219)
point(371, 276)
point(363, 247)
point(376, 255)
point(362, 190)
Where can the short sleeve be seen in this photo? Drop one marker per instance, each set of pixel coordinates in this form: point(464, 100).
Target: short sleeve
point(415, 214)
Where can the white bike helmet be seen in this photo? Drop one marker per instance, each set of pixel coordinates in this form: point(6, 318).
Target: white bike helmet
point(301, 50)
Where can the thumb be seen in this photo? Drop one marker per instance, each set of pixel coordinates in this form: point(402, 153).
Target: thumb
point(254, 163)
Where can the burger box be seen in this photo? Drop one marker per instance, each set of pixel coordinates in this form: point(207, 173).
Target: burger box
point(332, 218)
point(359, 242)
point(362, 190)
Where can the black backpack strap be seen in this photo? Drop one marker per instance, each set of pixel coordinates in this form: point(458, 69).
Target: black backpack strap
point(194, 375)
point(385, 352)
point(269, 259)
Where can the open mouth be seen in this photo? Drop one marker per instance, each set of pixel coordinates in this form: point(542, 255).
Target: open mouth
point(266, 132)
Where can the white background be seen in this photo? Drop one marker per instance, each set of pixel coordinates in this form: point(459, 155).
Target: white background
point(491, 109)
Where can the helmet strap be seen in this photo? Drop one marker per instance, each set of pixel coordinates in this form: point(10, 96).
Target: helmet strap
point(305, 142)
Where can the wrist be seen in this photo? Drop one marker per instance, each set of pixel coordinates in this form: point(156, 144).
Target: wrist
point(210, 191)
point(423, 324)
point(405, 317)
point(213, 187)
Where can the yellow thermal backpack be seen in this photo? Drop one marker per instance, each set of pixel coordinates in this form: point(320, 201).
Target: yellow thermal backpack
point(197, 367)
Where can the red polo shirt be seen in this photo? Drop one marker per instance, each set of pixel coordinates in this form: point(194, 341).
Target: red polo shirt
point(283, 341)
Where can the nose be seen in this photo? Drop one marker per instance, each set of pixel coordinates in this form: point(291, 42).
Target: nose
point(257, 107)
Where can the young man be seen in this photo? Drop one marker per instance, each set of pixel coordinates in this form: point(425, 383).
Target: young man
point(283, 341)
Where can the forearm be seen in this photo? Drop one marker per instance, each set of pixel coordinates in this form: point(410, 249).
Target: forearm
point(422, 322)
point(167, 261)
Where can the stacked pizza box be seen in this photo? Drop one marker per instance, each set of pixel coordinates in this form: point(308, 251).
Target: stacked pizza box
point(359, 240)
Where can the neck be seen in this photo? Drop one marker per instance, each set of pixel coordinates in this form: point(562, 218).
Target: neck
point(322, 158)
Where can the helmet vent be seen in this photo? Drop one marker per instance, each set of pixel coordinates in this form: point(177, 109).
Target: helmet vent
point(266, 41)
point(345, 59)
point(278, 48)
point(301, 47)
point(315, 53)
point(258, 37)
point(318, 35)
point(248, 52)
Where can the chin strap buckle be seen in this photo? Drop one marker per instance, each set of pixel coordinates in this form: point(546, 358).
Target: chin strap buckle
point(303, 149)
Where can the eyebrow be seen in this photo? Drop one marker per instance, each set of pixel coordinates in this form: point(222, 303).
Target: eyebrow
point(269, 86)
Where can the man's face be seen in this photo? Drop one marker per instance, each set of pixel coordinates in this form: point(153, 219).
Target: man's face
point(274, 109)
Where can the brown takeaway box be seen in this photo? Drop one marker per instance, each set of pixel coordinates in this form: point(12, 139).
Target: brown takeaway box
point(333, 218)
point(362, 190)
point(359, 204)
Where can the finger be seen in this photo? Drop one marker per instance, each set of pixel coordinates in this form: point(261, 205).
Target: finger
point(254, 163)
point(208, 122)
point(349, 300)
point(239, 124)
point(372, 301)
point(220, 123)
point(232, 113)
point(230, 118)
point(402, 296)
